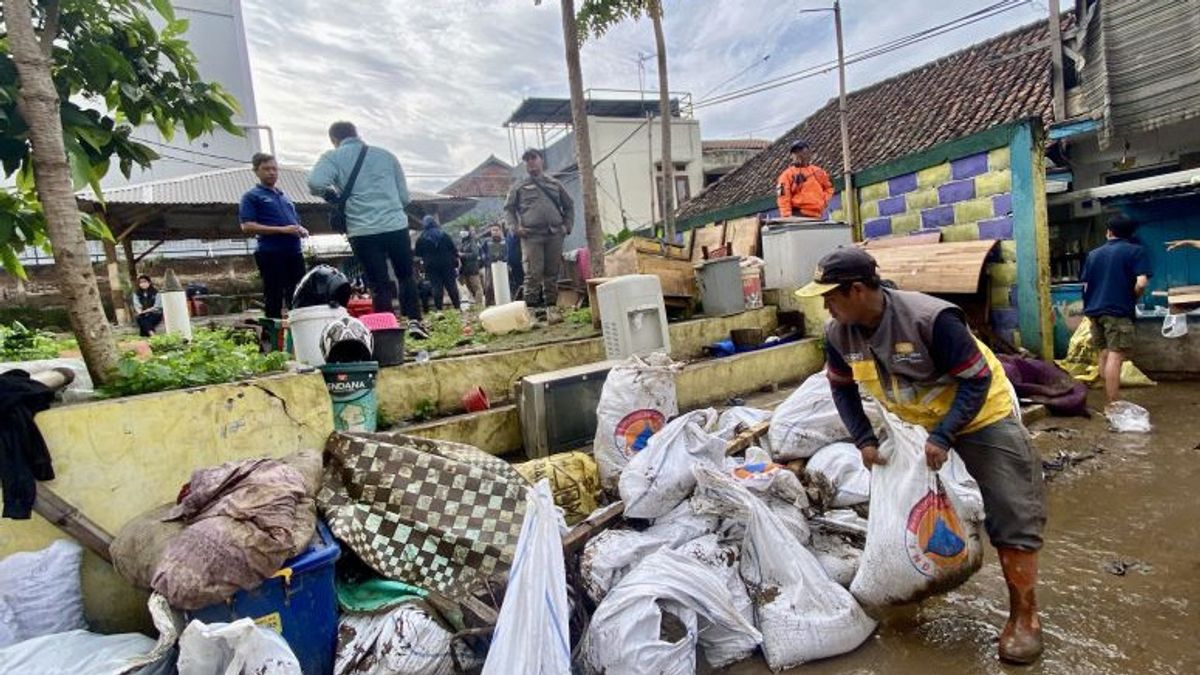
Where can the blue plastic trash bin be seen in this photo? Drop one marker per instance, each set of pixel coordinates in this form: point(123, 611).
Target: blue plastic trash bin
point(299, 602)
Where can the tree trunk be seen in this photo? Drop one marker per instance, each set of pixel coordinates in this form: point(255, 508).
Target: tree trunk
point(38, 103)
point(583, 147)
point(664, 105)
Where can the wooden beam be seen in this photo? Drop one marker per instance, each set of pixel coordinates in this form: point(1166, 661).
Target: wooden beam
point(129, 230)
point(63, 515)
point(141, 256)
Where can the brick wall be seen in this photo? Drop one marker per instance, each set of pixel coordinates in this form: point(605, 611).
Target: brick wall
point(967, 199)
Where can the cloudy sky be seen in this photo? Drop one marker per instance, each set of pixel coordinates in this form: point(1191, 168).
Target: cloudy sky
point(434, 80)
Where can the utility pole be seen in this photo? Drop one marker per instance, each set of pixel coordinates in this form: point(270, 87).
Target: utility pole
point(1056, 62)
point(849, 203)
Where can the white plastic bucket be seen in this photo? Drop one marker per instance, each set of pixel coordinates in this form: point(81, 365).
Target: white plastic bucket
point(507, 318)
point(307, 324)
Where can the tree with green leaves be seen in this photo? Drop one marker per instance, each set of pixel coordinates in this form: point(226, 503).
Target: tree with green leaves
point(583, 148)
point(76, 78)
point(595, 18)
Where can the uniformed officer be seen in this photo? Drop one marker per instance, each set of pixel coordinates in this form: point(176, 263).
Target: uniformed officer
point(541, 213)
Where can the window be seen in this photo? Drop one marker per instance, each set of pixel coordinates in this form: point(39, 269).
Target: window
point(683, 190)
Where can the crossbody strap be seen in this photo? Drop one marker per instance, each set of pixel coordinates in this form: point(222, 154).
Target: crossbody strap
point(362, 154)
point(553, 199)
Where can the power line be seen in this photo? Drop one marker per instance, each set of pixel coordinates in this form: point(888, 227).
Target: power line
point(872, 52)
point(735, 77)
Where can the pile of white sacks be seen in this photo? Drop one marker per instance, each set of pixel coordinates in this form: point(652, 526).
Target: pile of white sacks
point(740, 554)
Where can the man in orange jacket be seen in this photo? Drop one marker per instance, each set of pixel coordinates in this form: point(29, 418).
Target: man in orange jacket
point(804, 188)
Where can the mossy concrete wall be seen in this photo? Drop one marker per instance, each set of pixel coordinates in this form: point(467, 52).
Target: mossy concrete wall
point(116, 459)
point(710, 382)
point(439, 385)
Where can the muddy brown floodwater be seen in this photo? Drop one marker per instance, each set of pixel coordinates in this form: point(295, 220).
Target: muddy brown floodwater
point(1120, 572)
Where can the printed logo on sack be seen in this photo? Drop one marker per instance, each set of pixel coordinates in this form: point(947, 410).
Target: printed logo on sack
point(933, 536)
point(635, 429)
point(759, 475)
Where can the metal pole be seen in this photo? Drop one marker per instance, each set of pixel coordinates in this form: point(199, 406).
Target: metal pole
point(1056, 62)
point(849, 205)
point(620, 202)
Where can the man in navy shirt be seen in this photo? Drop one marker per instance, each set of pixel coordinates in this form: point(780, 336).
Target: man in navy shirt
point(267, 212)
point(1114, 277)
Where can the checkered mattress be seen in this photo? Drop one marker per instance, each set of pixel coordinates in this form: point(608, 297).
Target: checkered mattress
point(440, 515)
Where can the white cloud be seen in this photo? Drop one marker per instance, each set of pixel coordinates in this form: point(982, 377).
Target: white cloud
point(434, 80)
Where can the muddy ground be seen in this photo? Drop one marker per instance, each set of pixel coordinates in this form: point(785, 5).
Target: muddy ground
point(1120, 572)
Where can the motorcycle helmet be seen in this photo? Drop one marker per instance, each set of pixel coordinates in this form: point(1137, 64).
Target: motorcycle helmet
point(323, 285)
point(346, 340)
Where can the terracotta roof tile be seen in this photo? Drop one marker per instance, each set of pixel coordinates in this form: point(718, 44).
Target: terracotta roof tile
point(1001, 80)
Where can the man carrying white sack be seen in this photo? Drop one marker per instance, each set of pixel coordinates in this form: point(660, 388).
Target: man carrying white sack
point(916, 355)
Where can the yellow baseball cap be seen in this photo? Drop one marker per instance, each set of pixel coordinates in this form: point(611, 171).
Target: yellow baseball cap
point(844, 265)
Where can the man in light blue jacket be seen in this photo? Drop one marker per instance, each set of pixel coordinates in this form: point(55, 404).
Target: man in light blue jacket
point(375, 219)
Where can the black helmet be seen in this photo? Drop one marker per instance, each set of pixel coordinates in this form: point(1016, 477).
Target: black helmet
point(323, 285)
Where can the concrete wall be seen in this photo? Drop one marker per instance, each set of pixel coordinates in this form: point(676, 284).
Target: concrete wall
point(116, 459)
point(444, 381)
point(704, 383)
point(1173, 358)
point(967, 198)
point(216, 34)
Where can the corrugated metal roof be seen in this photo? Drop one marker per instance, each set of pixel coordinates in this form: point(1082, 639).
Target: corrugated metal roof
point(1142, 68)
point(558, 110)
point(223, 186)
point(1176, 181)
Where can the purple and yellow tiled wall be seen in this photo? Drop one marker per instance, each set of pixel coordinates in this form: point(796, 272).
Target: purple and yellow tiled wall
point(967, 199)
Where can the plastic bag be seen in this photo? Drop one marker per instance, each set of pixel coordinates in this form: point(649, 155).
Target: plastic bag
point(840, 464)
point(660, 477)
point(649, 622)
point(778, 487)
point(806, 422)
point(1082, 362)
point(1126, 417)
point(1175, 326)
point(40, 593)
point(574, 478)
point(723, 646)
point(533, 633)
point(233, 649)
point(802, 613)
point(734, 420)
point(838, 556)
point(924, 535)
point(78, 652)
point(637, 400)
point(402, 641)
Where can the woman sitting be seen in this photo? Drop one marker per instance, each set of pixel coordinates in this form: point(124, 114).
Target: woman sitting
point(147, 306)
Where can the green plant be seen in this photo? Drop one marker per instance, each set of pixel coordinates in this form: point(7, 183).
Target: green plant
point(19, 343)
point(424, 409)
point(579, 317)
point(446, 332)
point(210, 357)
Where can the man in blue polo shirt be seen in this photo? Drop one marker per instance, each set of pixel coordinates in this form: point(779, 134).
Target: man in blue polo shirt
point(268, 213)
point(1114, 276)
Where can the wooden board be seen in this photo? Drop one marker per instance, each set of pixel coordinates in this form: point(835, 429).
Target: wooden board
point(711, 236)
point(743, 235)
point(935, 268)
point(593, 301)
point(1183, 295)
point(677, 276)
point(921, 239)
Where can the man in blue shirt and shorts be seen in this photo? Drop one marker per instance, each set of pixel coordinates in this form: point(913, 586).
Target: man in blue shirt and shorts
point(267, 212)
point(1114, 276)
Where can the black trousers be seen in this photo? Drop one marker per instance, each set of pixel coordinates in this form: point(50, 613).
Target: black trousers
point(280, 273)
point(148, 321)
point(444, 282)
point(374, 252)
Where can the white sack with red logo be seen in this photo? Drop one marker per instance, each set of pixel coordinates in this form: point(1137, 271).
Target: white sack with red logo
point(637, 400)
point(806, 422)
point(777, 486)
point(925, 533)
point(659, 478)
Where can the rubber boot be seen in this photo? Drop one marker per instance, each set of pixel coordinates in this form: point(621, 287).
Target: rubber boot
point(1021, 639)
